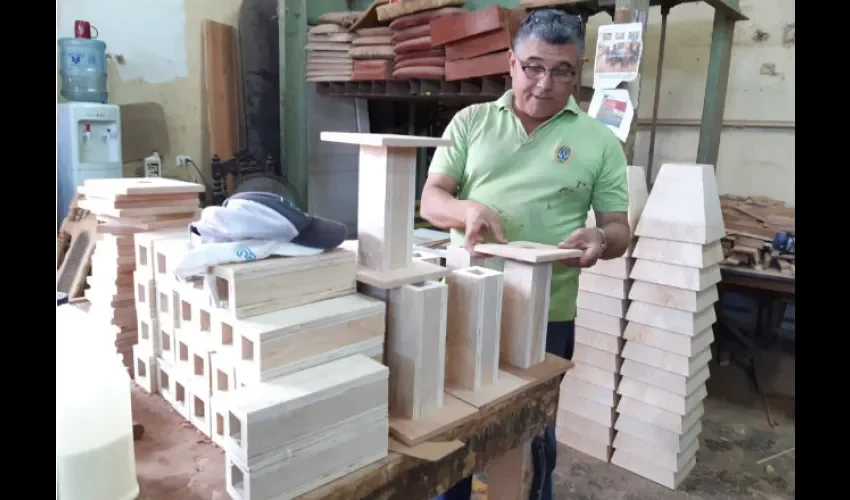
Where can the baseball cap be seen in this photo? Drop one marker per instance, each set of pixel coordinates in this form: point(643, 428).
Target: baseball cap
point(309, 230)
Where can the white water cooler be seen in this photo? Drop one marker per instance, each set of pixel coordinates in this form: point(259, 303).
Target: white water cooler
point(88, 142)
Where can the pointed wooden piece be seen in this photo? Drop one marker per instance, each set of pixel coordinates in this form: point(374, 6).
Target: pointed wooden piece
point(683, 206)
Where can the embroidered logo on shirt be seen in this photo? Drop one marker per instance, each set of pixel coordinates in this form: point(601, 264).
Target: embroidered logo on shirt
point(564, 154)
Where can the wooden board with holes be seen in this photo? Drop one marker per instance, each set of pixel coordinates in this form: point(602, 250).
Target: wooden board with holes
point(526, 251)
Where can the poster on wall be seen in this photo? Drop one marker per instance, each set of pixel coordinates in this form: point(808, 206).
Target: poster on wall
point(618, 51)
point(614, 109)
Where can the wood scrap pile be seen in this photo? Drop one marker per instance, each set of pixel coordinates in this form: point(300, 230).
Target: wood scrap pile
point(372, 53)
point(415, 57)
point(327, 53)
point(476, 43)
point(752, 223)
point(124, 207)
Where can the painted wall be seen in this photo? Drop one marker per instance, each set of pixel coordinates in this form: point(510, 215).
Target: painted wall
point(757, 150)
point(160, 47)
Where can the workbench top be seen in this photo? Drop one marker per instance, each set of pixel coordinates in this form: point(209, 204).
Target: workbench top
point(176, 462)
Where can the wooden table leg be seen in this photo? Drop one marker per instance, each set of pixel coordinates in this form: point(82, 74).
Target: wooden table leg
point(509, 476)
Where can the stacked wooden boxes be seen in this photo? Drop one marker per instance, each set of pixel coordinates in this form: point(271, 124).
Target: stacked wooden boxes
point(250, 348)
point(586, 413)
point(328, 58)
point(372, 51)
point(669, 331)
point(476, 43)
point(124, 207)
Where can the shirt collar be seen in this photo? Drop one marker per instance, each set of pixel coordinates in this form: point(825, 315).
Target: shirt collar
point(507, 100)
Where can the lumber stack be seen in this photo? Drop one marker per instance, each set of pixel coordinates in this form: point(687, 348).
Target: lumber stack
point(415, 54)
point(372, 54)
point(261, 356)
point(124, 207)
point(476, 43)
point(327, 48)
point(586, 413)
point(669, 333)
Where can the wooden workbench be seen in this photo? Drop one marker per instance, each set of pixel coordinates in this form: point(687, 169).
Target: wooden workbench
point(173, 461)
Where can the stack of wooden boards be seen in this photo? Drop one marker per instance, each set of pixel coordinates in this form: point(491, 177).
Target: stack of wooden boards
point(752, 223)
point(372, 53)
point(415, 55)
point(328, 57)
point(586, 413)
point(124, 207)
point(274, 370)
point(476, 43)
point(444, 340)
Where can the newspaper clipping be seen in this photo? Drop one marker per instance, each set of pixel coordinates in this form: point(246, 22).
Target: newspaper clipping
point(614, 109)
point(618, 51)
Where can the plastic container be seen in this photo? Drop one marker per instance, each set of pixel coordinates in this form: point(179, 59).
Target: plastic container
point(94, 425)
point(82, 69)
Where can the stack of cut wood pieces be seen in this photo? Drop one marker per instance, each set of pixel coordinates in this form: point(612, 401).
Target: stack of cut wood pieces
point(124, 207)
point(751, 225)
point(372, 53)
point(586, 413)
point(651, 424)
point(457, 346)
point(415, 56)
point(476, 43)
point(328, 57)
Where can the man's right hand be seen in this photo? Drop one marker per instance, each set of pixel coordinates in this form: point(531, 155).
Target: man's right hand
point(481, 220)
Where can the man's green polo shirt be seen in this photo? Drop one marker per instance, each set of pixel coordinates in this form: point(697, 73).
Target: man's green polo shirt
point(542, 185)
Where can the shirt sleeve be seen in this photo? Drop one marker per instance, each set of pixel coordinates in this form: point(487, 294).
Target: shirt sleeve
point(611, 189)
point(451, 160)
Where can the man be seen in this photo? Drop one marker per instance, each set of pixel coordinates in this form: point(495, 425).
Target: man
point(528, 167)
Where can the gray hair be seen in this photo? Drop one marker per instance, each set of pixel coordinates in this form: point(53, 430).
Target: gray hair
point(552, 26)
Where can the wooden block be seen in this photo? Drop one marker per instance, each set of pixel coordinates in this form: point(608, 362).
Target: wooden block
point(166, 349)
point(648, 470)
point(182, 353)
point(657, 437)
point(200, 366)
point(575, 386)
point(671, 382)
point(683, 206)
point(164, 379)
point(630, 388)
point(615, 268)
point(595, 375)
point(144, 248)
point(309, 463)
point(497, 63)
point(527, 251)
point(223, 372)
point(674, 363)
point(603, 304)
point(168, 254)
point(148, 333)
point(144, 290)
point(681, 254)
point(591, 410)
point(525, 313)
point(416, 348)
point(447, 29)
point(585, 444)
point(473, 324)
point(595, 357)
point(182, 396)
point(673, 320)
point(638, 194)
point(672, 460)
point(429, 257)
point(418, 272)
point(145, 368)
point(672, 297)
point(200, 413)
point(458, 258)
point(604, 285)
point(267, 416)
point(602, 323)
point(278, 343)
point(689, 278)
point(598, 340)
point(658, 417)
point(578, 424)
point(259, 287)
point(168, 307)
point(683, 345)
point(218, 420)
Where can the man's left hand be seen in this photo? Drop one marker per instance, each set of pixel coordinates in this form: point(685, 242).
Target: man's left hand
point(589, 240)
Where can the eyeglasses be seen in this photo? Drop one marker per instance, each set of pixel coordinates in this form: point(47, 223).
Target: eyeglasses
point(560, 74)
